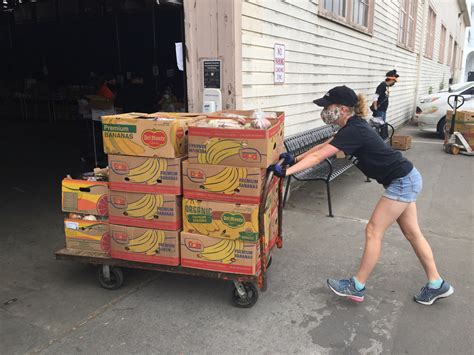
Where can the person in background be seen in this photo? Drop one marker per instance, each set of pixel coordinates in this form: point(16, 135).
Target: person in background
point(380, 101)
point(401, 180)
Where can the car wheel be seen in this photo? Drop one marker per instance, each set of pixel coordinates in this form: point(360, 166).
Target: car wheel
point(440, 127)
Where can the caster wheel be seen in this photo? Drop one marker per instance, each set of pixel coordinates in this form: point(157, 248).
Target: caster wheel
point(115, 280)
point(249, 299)
point(455, 150)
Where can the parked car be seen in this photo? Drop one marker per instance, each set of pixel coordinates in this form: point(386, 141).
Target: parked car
point(431, 109)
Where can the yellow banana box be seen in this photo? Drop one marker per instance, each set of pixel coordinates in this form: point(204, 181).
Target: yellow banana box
point(226, 220)
point(144, 245)
point(161, 134)
point(85, 197)
point(145, 174)
point(216, 254)
point(145, 210)
point(87, 235)
point(248, 147)
point(223, 183)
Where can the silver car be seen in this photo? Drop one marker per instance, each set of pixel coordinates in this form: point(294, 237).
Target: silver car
point(431, 109)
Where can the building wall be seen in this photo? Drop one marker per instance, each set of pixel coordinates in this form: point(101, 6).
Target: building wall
point(321, 54)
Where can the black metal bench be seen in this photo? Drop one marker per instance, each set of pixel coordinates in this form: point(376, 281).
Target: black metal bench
point(330, 168)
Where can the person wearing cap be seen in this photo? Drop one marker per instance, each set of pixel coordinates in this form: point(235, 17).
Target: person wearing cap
point(380, 101)
point(377, 160)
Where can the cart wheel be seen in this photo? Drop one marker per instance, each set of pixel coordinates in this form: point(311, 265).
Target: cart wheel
point(247, 300)
point(115, 280)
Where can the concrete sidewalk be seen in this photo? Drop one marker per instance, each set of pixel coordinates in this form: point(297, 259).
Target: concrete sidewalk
point(57, 307)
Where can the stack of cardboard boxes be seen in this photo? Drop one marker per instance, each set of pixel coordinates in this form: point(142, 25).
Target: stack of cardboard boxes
point(463, 123)
point(145, 154)
point(86, 225)
point(223, 181)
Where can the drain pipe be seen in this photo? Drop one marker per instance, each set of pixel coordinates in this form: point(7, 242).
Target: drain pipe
point(420, 54)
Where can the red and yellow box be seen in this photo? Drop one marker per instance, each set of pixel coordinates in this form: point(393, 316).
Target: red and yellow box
point(160, 134)
point(145, 174)
point(145, 210)
point(223, 183)
point(144, 245)
point(85, 197)
point(87, 235)
point(236, 147)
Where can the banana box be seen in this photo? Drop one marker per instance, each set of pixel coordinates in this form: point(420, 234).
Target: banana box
point(87, 235)
point(144, 245)
point(249, 147)
point(223, 183)
point(145, 174)
point(160, 134)
point(217, 254)
point(145, 210)
point(225, 220)
point(85, 197)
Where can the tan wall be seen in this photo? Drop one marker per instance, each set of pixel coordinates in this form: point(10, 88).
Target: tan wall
point(213, 30)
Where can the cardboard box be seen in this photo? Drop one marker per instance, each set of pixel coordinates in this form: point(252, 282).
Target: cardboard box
point(340, 155)
point(145, 174)
point(223, 183)
point(401, 142)
point(152, 246)
point(145, 210)
point(229, 220)
point(465, 116)
point(236, 257)
point(87, 235)
point(161, 135)
point(86, 197)
point(236, 147)
point(464, 121)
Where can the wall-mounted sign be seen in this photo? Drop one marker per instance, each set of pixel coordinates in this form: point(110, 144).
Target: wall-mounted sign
point(211, 73)
point(279, 60)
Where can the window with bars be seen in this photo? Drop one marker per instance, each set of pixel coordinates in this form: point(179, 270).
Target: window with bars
point(442, 44)
point(355, 13)
point(407, 23)
point(430, 33)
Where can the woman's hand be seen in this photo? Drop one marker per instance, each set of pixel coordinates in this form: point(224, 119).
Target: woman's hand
point(278, 170)
point(288, 158)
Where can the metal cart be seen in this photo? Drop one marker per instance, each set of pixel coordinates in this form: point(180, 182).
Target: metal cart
point(246, 287)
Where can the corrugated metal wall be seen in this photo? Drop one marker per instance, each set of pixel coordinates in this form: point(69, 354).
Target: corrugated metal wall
point(321, 54)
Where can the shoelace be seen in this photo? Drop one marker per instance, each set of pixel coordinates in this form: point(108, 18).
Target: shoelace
point(424, 293)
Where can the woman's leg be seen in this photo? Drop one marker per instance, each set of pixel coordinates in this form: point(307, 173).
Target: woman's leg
point(408, 222)
point(385, 213)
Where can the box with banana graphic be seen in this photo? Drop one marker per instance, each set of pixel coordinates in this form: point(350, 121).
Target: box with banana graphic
point(160, 134)
point(247, 147)
point(223, 183)
point(152, 246)
point(217, 254)
point(145, 174)
point(85, 197)
point(87, 235)
point(145, 210)
point(225, 220)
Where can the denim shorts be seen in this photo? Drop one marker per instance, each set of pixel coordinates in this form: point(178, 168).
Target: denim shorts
point(405, 189)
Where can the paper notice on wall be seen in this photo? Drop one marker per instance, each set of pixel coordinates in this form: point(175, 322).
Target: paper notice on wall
point(179, 55)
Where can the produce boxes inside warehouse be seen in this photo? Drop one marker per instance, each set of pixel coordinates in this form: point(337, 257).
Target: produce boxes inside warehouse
point(463, 123)
point(145, 155)
point(223, 182)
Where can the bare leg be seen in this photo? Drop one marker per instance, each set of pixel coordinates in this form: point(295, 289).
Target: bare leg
point(408, 222)
point(385, 213)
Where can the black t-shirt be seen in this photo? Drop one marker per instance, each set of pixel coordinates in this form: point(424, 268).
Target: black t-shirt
point(383, 90)
point(373, 156)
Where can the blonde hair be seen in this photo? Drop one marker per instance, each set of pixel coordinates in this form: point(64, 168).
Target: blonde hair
point(361, 108)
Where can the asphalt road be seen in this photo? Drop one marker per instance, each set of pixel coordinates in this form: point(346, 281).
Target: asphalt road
point(57, 307)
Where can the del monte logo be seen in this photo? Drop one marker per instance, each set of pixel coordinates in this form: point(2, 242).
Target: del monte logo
point(233, 220)
point(154, 138)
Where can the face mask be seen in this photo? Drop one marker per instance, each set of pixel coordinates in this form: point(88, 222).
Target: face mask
point(330, 116)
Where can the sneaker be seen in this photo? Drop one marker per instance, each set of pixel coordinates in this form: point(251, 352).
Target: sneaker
point(428, 296)
point(346, 288)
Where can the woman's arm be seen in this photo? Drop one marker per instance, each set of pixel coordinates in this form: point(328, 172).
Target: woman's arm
point(313, 158)
point(312, 150)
